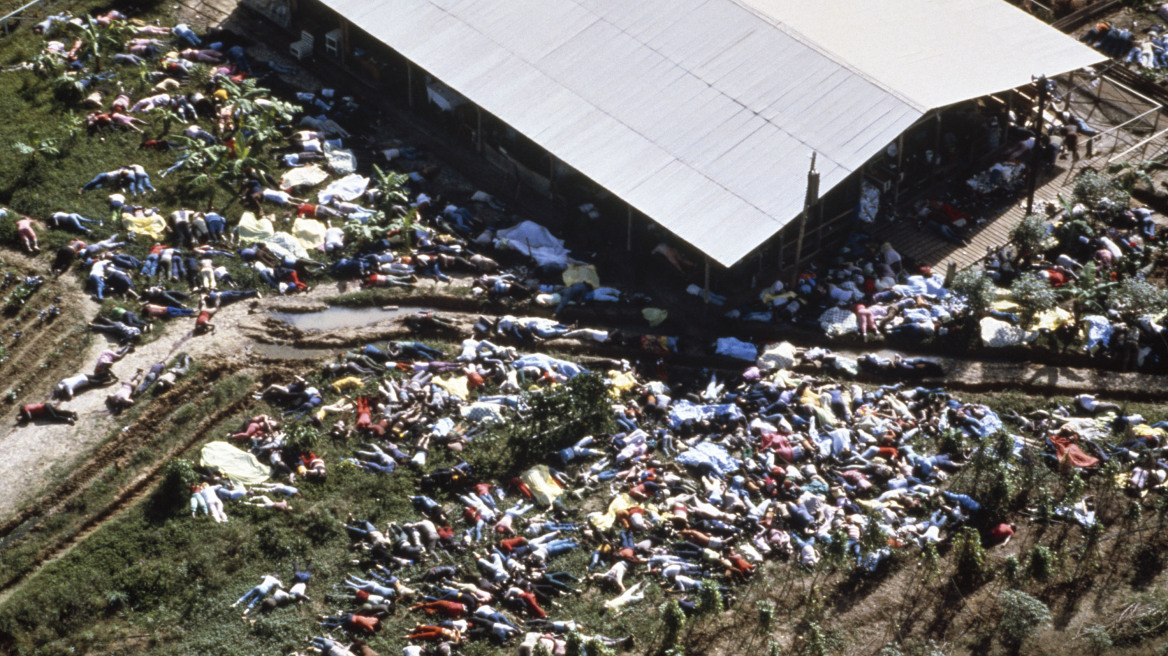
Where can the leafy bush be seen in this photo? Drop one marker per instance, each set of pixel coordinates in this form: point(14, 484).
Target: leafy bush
point(1030, 235)
point(970, 555)
point(1034, 294)
point(675, 621)
point(976, 288)
point(1041, 563)
point(177, 478)
point(1022, 614)
point(1101, 193)
point(1136, 297)
point(1098, 639)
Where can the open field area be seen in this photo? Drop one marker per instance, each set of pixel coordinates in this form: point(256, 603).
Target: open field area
point(381, 413)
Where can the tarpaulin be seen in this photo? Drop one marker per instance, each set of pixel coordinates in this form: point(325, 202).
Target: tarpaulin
point(239, 466)
point(347, 188)
point(305, 176)
point(544, 488)
point(777, 356)
point(285, 245)
point(310, 232)
point(534, 241)
point(252, 229)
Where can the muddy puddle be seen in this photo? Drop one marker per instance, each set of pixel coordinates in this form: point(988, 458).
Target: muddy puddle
point(337, 318)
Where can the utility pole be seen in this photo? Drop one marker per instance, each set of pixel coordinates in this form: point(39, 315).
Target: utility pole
point(1032, 178)
point(810, 199)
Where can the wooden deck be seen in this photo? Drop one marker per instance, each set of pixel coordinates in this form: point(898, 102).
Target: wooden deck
point(992, 230)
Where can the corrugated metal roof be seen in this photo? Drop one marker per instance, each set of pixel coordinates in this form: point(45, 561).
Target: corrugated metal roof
point(702, 113)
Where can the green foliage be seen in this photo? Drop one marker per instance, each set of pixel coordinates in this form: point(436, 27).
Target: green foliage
point(1011, 568)
point(303, 436)
point(574, 644)
point(1101, 193)
point(931, 561)
point(976, 288)
point(1097, 639)
point(674, 621)
point(774, 648)
point(766, 614)
point(1136, 297)
point(557, 418)
point(969, 555)
point(1022, 614)
point(177, 477)
point(1041, 563)
point(710, 601)
point(1030, 235)
point(1034, 294)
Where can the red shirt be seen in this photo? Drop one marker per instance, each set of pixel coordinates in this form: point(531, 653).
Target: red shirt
point(1000, 532)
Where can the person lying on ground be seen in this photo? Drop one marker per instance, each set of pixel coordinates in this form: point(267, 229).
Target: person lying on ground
point(47, 411)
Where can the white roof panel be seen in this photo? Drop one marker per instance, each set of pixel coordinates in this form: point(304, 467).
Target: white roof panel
point(702, 113)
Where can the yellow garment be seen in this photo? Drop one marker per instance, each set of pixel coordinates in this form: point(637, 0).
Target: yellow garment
point(1051, 319)
point(1005, 306)
point(310, 232)
point(343, 384)
point(1145, 431)
point(622, 381)
point(456, 386)
point(581, 273)
point(810, 397)
point(544, 489)
point(153, 226)
point(239, 466)
point(604, 521)
point(252, 229)
point(655, 316)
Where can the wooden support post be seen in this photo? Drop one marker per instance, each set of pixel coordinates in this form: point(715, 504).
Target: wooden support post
point(410, 84)
point(899, 171)
point(479, 130)
point(629, 235)
point(1032, 173)
point(936, 149)
point(706, 289)
point(782, 248)
point(808, 200)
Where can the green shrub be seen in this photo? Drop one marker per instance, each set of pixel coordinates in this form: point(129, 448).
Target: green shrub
point(1034, 294)
point(1022, 614)
point(1030, 235)
point(977, 289)
point(1136, 297)
point(1098, 639)
point(1041, 564)
point(969, 555)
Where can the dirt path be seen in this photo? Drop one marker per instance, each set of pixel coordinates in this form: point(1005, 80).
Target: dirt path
point(36, 454)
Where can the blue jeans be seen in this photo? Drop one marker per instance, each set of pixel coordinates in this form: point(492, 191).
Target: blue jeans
point(187, 35)
point(98, 284)
point(99, 181)
point(150, 266)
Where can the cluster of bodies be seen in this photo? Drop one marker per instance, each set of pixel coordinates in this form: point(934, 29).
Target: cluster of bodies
point(1110, 245)
point(704, 481)
point(1148, 51)
point(195, 247)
